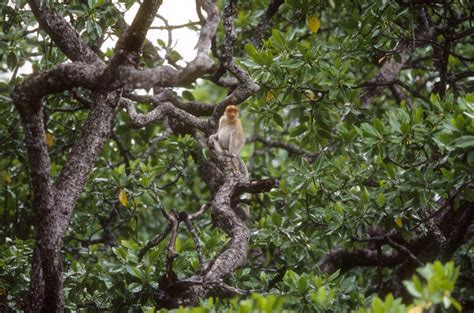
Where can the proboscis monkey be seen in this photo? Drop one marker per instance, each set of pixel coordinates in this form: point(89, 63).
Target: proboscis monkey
point(230, 135)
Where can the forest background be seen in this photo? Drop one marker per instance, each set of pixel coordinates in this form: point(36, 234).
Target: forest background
point(359, 118)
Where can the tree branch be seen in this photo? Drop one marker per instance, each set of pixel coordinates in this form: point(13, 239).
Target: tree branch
point(189, 291)
point(62, 33)
point(247, 86)
point(161, 110)
point(130, 43)
point(262, 26)
point(166, 76)
point(28, 94)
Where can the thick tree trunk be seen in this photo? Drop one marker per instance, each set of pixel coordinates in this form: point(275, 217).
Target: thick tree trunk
point(53, 205)
point(34, 301)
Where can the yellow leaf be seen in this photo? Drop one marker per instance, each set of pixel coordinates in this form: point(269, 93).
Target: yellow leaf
point(269, 96)
point(416, 309)
point(123, 197)
point(381, 59)
point(178, 245)
point(6, 177)
point(49, 139)
point(399, 221)
point(313, 24)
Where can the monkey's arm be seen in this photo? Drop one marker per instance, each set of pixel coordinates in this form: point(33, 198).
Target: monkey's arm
point(214, 143)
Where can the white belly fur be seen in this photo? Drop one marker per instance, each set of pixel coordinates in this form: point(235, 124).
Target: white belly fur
point(224, 136)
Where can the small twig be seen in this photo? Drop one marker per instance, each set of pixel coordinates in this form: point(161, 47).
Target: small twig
point(123, 152)
point(432, 215)
point(233, 290)
point(262, 26)
point(68, 109)
point(292, 149)
point(171, 27)
point(197, 243)
point(459, 76)
point(174, 181)
point(203, 208)
point(259, 186)
point(169, 43)
point(179, 217)
point(403, 250)
point(247, 86)
point(154, 242)
point(172, 242)
point(414, 92)
point(387, 239)
point(82, 100)
point(201, 17)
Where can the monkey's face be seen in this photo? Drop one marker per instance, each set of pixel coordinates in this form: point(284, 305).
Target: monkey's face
point(232, 113)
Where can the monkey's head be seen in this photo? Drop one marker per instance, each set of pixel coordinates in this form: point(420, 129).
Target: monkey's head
point(232, 113)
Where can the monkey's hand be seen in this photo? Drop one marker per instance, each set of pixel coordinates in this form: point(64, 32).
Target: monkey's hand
point(214, 144)
point(212, 138)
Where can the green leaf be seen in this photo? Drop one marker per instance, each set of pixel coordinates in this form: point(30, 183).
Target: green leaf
point(380, 199)
point(464, 142)
point(418, 117)
point(12, 61)
point(254, 54)
point(377, 306)
point(135, 287)
point(456, 304)
point(298, 130)
point(134, 271)
point(302, 285)
point(320, 296)
point(405, 128)
point(276, 219)
point(412, 289)
point(277, 39)
point(446, 173)
point(278, 119)
point(458, 122)
point(120, 252)
point(368, 129)
point(378, 126)
point(364, 196)
point(417, 283)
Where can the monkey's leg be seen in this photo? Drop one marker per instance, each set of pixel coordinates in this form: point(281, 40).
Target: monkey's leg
point(236, 143)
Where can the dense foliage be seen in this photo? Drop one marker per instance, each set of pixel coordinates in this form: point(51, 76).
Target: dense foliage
point(365, 115)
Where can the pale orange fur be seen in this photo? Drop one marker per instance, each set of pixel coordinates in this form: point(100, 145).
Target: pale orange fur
point(230, 136)
point(231, 133)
